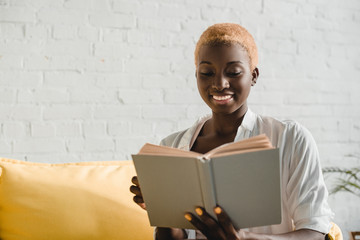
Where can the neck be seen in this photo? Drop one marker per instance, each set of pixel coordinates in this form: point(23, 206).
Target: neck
point(225, 124)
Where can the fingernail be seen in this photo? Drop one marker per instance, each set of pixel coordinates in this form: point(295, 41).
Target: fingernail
point(217, 210)
point(199, 211)
point(188, 216)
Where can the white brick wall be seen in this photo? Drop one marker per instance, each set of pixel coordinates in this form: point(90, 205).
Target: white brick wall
point(94, 80)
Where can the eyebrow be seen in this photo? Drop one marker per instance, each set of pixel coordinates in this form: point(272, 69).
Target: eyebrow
point(229, 63)
point(234, 62)
point(204, 62)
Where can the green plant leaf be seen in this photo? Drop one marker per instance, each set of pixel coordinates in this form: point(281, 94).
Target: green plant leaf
point(348, 181)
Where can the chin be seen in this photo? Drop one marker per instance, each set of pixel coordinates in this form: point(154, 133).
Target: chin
point(222, 110)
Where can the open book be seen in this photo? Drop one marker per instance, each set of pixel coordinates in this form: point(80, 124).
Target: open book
point(242, 177)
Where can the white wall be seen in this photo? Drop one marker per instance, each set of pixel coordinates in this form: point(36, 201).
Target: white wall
point(85, 80)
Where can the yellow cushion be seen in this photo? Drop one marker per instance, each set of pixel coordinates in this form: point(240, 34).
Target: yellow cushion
point(334, 233)
point(69, 201)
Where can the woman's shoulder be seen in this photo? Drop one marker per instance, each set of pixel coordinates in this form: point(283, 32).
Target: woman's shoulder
point(173, 139)
point(182, 139)
point(289, 130)
point(274, 123)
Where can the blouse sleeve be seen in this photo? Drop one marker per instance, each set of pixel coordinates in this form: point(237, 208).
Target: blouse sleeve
point(306, 190)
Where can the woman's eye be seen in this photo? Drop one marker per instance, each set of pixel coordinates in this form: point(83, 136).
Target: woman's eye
point(207, 73)
point(234, 73)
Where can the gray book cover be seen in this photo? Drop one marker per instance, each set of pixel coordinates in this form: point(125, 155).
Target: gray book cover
point(245, 185)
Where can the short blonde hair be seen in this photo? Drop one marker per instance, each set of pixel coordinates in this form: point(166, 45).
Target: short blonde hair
point(226, 34)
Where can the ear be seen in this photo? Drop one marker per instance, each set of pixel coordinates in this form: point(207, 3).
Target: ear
point(255, 75)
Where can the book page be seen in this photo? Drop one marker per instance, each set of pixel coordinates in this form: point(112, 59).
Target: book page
point(256, 143)
point(151, 149)
point(260, 142)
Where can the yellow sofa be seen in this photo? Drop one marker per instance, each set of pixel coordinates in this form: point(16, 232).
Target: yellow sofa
point(69, 201)
point(76, 201)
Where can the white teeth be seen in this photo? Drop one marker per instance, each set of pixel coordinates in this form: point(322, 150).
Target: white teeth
point(222, 98)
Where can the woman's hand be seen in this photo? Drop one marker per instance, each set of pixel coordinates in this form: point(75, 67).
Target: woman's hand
point(138, 199)
point(222, 228)
point(169, 234)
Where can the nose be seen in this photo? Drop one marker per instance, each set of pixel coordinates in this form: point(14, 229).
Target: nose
point(220, 82)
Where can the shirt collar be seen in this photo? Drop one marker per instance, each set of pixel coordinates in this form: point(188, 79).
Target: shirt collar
point(244, 129)
point(248, 122)
point(185, 141)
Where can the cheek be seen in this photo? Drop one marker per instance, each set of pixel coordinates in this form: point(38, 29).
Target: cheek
point(203, 89)
point(202, 84)
point(243, 84)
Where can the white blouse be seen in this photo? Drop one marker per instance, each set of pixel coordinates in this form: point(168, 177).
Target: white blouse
point(304, 194)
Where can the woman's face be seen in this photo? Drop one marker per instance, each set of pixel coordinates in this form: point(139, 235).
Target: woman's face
point(224, 77)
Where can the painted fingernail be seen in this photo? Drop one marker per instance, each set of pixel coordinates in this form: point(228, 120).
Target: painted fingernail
point(217, 210)
point(188, 216)
point(199, 211)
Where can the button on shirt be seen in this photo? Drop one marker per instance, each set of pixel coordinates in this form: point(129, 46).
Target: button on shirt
point(304, 194)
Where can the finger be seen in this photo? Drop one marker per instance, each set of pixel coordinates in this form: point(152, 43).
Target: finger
point(215, 230)
point(135, 180)
point(208, 220)
point(136, 190)
point(142, 205)
point(196, 223)
point(138, 199)
point(225, 222)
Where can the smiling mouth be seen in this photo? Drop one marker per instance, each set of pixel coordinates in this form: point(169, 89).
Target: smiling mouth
point(222, 98)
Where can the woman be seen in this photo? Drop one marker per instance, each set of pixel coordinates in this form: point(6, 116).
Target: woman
point(226, 60)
